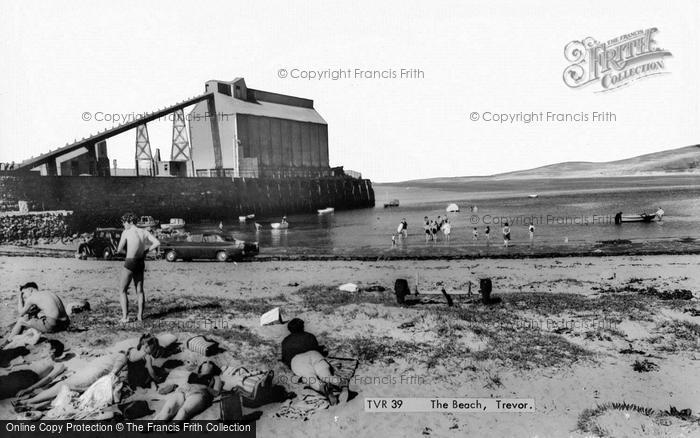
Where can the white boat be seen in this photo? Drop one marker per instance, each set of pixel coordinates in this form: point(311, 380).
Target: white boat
point(245, 218)
point(147, 222)
point(279, 225)
point(644, 217)
point(241, 218)
point(174, 224)
point(452, 208)
point(534, 195)
point(250, 216)
point(326, 210)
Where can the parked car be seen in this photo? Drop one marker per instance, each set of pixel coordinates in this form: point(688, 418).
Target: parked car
point(208, 246)
point(103, 243)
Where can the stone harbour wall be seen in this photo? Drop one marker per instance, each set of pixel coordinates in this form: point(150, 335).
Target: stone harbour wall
point(100, 201)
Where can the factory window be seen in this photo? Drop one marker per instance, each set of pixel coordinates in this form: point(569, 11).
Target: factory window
point(224, 89)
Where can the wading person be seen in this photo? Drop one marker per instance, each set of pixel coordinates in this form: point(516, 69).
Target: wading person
point(506, 235)
point(138, 242)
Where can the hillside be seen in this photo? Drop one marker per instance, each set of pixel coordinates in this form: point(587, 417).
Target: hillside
point(682, 161)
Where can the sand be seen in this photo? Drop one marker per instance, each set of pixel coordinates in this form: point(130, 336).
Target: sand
point(582, 289)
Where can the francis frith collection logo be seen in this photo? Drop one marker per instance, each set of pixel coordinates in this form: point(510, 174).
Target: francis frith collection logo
point(614, 63)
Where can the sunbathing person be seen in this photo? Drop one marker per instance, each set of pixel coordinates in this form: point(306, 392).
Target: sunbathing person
point(302, 354)
point(23, 379)
point(42, 310)
point(196, 397)
point(80, 381)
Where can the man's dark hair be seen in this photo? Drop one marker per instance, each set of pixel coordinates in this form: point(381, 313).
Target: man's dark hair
point(57, 347)
point(31, 284)
point(215, 370)
point(128, 218)
point(296, 325)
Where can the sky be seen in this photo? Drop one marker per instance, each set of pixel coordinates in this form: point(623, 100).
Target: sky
point(64, 59)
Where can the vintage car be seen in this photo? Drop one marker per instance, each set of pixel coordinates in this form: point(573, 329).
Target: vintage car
point(208, 246)
point(102, 243)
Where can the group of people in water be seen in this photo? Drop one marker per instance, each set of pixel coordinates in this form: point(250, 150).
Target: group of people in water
point(433, 227)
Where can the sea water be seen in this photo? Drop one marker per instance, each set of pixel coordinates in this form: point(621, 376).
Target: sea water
point(569, 211)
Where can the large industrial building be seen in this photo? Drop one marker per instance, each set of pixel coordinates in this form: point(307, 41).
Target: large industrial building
point(260, 134)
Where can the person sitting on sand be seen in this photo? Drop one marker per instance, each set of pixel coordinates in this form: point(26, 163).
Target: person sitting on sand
point(139, 363)
point(196, 397)
point(306, 358)
point(26, 378)
point(42, 310)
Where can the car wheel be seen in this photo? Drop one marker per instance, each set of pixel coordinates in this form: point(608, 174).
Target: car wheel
point(171, 256)
point(221, 256)
point(107, 254)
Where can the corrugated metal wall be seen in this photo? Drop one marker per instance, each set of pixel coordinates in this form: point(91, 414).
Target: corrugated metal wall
point(283, 143)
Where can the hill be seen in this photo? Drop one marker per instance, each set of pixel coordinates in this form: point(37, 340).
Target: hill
point(681, 161)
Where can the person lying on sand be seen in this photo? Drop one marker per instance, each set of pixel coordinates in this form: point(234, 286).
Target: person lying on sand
point(80, 381)
point(26, 378)
point(302, 354)
point(42, 310)
point(188, 402)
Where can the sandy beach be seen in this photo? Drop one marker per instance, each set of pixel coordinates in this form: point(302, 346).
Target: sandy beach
point(567, 334)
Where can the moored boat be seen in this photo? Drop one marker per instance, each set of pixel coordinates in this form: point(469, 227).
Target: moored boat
point(326, 210)
point(392, 203)
point(534, 195)
point(279, 225)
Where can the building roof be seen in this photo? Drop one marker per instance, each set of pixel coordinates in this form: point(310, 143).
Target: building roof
point(233, 106)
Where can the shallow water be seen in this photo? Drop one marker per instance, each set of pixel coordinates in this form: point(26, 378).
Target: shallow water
point(576, 210)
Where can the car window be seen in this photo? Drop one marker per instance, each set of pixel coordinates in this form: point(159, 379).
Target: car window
point(213, 238)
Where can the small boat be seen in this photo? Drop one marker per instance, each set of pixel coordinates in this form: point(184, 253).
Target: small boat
point(241, 218)
point(279, 225)
point(452, 208)
point(147, 222)
point(250, 216)
point(174, 224)
point(644, 217)
point(326, 210)
point(534, 195)
point(392, 203)
point(245, 218)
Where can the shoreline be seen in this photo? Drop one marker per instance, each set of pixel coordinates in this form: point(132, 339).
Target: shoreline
point(675, 246)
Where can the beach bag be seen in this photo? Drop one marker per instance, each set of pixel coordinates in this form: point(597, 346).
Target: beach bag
point(230, 407)
point(401, 289)
point(202, 345)
point(135, 409)
point(251, 383)
point(266, 395)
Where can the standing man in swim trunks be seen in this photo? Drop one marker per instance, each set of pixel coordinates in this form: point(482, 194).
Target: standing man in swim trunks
point(138, 242)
